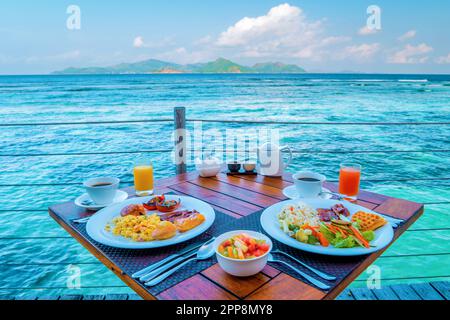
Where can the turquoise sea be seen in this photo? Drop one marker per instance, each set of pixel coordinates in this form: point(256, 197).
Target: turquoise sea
point(43, 165)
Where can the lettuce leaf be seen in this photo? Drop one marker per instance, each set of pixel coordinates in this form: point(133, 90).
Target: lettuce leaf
point(328, 235)
point(368, 235)
point(312, 240)
point(348, 242)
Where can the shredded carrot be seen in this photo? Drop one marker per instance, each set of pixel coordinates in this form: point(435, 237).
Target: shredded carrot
point(359, 236)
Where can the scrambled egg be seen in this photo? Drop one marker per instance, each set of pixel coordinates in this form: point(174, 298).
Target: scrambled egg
point(139, 228)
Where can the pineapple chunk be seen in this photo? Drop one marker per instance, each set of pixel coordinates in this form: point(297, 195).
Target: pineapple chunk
point(241, 245)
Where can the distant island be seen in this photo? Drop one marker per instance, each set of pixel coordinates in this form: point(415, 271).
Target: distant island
point(152, 66)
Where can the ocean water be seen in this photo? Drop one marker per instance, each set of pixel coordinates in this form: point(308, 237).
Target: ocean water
point(38, 257)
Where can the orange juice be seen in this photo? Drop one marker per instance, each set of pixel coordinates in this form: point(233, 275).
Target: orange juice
point(349, 177)
point(143, 179)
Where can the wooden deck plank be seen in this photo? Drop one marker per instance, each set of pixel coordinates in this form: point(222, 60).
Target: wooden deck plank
point(94, 297)
point(285, 287)
point(426, 291)
point(251, 185)
point(218, 199)
point(405, 292)
point(443, 288)
point(240, 287)
point(363, 294)
point(134, 296)
point(385, 293)
point(71, 297)
point(235, 192)
point(115, 296)
point(345, 295)
point(196, 288)
point(48, 298)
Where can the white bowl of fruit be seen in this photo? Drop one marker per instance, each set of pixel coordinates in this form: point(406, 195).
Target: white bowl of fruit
point(242, 253)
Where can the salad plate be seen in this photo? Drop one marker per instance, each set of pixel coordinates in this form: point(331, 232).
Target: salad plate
point(98, 225)
point(270, 222)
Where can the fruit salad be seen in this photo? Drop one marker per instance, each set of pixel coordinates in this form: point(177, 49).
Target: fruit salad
point(242, 246)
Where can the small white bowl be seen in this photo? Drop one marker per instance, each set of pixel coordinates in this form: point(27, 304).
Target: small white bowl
point(208, 171)
point(207, 168)
point(246, 267)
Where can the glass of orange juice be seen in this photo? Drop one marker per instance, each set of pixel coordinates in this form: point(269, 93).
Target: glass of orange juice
point(143, 178)
point(349, 178)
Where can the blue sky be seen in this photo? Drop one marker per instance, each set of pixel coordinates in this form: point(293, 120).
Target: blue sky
point(319, 35)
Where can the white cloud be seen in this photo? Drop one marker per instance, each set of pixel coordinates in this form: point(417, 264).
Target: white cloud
point(284, 32)
point(443, 59)
point(411, 54)
point(138, 42)
point(408, 35)
point(363, 51)
point(277, 21)
point(365, 31)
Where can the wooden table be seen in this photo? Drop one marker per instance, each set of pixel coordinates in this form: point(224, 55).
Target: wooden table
point(239, 196)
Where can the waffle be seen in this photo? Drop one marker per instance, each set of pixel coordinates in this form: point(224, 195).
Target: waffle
point(368, 221)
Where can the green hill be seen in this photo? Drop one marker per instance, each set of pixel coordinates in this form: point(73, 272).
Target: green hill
point(277, 67)
point(219, 65)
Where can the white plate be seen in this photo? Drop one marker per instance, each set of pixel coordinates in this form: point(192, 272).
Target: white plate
point(269, 222)
point(86, 202)
point(291, 193)
point(96, 224)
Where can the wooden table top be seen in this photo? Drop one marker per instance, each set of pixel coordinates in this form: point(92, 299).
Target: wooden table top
point(239, 196)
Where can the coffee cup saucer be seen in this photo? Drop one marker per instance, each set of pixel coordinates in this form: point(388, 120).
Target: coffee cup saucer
point(85, 201)
point(291, 193)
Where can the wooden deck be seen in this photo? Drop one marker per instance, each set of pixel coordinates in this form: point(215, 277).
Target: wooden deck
point(417, 291)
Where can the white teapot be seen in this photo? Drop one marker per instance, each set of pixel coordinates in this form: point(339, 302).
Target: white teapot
point(270, 159)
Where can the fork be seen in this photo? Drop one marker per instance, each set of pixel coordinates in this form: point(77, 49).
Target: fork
point(314, 281)
point(321, 274)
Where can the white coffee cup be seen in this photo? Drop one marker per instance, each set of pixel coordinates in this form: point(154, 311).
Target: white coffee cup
point(102, 190)
point(308, 184)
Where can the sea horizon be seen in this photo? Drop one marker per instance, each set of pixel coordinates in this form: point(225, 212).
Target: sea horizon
point(230, 73)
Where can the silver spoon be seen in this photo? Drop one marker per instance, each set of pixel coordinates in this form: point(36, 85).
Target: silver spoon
point(162, 267)
point(206, 251)
point(314, 281)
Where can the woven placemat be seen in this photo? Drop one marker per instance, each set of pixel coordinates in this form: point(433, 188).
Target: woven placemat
point(131, 261)
point(340, 267)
